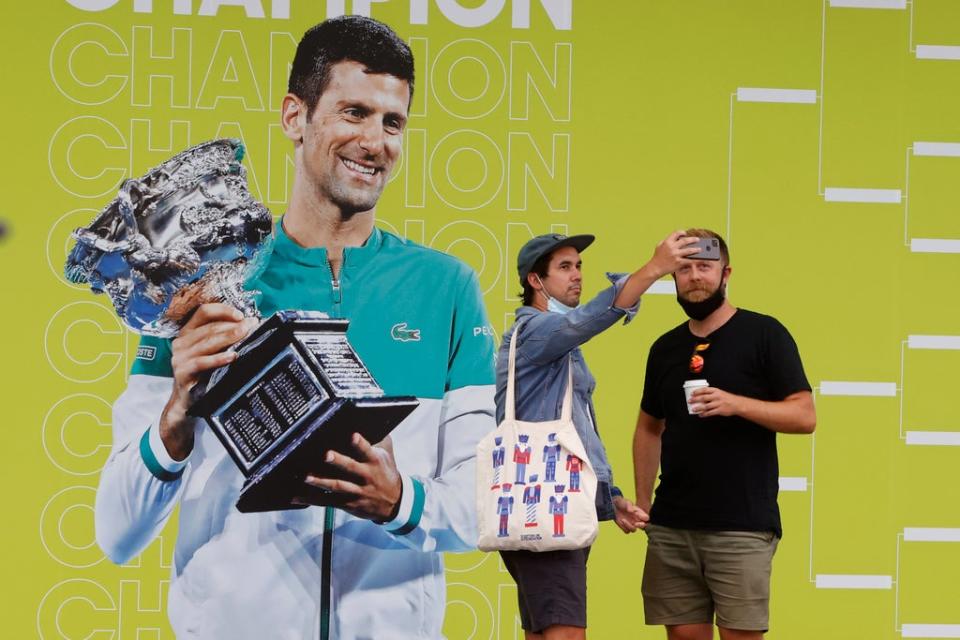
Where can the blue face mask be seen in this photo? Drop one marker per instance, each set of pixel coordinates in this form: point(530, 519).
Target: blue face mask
point(554, 305)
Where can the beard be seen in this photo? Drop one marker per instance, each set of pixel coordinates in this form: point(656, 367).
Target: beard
point(700, 309)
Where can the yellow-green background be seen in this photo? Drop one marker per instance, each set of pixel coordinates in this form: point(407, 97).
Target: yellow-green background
point(649, 126)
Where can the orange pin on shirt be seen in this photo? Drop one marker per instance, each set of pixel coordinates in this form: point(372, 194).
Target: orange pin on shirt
point(696, 358)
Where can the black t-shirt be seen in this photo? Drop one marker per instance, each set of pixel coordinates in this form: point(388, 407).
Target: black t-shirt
point(720, 473)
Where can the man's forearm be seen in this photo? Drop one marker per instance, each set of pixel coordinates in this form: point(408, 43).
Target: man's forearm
point(175, 433)
point(646, 462)
point(794, 414)
point(636, 285)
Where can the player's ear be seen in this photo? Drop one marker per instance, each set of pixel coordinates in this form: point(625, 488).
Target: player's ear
point(293, 117)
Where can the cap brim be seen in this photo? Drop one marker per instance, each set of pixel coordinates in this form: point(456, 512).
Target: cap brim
point(579, 242)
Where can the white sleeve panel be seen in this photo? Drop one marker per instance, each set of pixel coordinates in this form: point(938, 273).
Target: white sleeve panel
point(132, 504)
point(443, 517)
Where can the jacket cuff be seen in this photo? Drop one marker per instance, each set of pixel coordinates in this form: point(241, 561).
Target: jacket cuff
point(618, 280)
point(410, 511)
point(156, 459)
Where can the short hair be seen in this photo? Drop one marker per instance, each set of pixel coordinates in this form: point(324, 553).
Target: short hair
point(707, 233)
point(357, 38)
point(540, 267)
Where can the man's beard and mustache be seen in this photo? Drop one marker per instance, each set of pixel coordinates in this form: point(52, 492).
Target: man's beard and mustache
point(700, 309)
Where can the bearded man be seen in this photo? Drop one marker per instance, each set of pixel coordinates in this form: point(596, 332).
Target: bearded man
point(715, 523)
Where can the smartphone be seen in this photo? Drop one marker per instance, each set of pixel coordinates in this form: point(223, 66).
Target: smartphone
point(709, 249)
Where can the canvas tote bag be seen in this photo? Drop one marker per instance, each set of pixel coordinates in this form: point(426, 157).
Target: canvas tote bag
point(536, 489)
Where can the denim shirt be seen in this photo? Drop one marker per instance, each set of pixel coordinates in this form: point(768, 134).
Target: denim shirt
point(546, 339)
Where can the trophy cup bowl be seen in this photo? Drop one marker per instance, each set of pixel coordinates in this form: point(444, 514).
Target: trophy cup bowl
point(186, 233)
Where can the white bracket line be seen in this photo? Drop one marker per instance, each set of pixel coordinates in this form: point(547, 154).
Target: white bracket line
point(931, 534)
point(849, 4)
point(906, 189)
point(663, 287)
point(767, 95)
point(785, 96)
point(896, 595)
point(793, 484)
point(945, 343)
point(869, 4)
point(934, 438)
point(843, 194)
point(823, 57)
point(934, 245)
point(828, 581)
point(841, 581)
point(853, 581)
point(910, 46)
point(878, 389)
point(730, 170)
point(876, 196)
point(938, 52)
point(813, 449)
point(930, 631)
point(927, 245)
point(931, 51)
point(937, 149)
point(923, 534)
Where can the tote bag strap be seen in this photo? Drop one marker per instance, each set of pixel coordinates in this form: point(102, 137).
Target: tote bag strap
point(566, 412)
point(510, 410)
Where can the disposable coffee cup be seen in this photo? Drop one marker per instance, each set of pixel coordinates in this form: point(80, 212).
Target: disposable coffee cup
point(688, 388)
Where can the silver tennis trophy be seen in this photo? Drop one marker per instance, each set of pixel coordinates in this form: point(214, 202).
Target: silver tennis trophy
point(188, 233)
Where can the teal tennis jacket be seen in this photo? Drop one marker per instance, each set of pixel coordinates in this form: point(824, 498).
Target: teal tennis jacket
point(418, 323)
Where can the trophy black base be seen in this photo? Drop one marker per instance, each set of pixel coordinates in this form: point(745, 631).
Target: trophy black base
point(296, 390)
point(272, 486)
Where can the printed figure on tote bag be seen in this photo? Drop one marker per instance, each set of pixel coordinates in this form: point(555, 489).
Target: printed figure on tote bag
point(558, 507)
point(574, 465)
point(531, 498)
point(499, 453)
point(551, 453)
point(504, 509)
point(521, 455)
point(546, 416)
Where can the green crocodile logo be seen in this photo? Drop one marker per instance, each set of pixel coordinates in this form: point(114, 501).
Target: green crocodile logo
point(400, 333)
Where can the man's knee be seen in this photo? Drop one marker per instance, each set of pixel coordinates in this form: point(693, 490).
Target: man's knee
point(690, 632)
point(738, 634)
point(564, 632)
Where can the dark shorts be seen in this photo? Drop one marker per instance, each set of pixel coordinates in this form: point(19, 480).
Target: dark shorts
point(551, 587)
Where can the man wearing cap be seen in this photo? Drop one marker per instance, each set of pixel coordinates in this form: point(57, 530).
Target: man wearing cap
point(551, 586)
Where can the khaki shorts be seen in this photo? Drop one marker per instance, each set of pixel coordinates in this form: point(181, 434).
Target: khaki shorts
point(690, 575)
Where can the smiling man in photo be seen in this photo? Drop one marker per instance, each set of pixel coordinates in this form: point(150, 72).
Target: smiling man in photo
point(371, 568)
